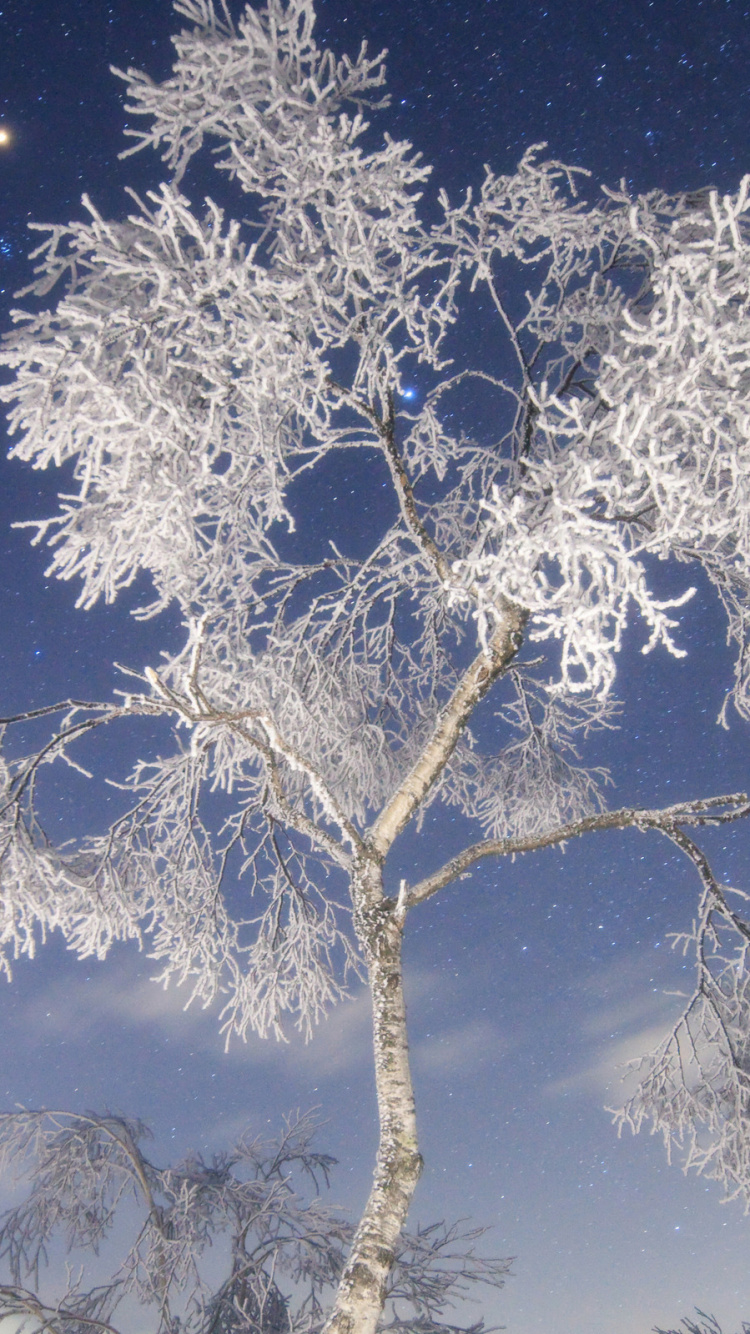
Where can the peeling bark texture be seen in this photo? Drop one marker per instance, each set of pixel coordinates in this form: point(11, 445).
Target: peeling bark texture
point(361, 1292)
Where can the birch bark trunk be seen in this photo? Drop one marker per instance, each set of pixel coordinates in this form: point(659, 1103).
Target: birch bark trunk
point(361, 1294)
point(379, 923)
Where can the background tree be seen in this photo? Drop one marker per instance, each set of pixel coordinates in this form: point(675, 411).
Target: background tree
point(259, 1205)
point(193, 373)
point(705, 1324)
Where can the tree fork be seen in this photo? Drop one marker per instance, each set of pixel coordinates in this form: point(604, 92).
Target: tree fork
point(475, 683)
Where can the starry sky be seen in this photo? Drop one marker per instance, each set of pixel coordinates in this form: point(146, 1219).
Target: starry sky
point(529, 984)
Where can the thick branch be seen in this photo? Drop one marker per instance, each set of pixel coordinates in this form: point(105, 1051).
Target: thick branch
point(714, 890)
point(386, 429)
point(667, 821)
point(406, 495)
point(472, 688)
point(475, 682)
point(297, 819)
point(69, 705)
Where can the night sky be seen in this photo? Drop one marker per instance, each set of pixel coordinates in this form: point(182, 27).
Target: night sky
point(528, 984)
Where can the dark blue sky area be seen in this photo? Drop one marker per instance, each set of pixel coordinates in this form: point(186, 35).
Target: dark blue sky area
point(528, 983)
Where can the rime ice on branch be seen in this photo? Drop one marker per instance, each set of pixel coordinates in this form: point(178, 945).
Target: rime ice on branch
point(197, 368)
point(259, 1205)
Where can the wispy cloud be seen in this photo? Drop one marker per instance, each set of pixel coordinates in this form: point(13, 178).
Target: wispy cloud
point(628, 1018)
point(90, 1003)
point(79, 1003)
point(460, 1050)
point(606, 1074)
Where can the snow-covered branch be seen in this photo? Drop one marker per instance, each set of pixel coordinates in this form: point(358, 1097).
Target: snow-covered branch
point(286, 1244)
point(715, 810)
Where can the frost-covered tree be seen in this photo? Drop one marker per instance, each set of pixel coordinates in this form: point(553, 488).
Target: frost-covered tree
point(90, 1184)
point(195, 370)
point(705, 1324)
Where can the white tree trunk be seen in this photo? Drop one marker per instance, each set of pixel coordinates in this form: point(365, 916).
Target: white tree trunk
point(361, 1293)
point(379, 923)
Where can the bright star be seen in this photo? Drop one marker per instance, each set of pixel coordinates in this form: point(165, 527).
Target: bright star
point(4, 137)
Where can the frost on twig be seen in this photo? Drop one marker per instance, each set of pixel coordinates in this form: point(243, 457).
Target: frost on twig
point(704, 1324)
point(694, 1088)
point(536, 781)
point(89, 1183)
